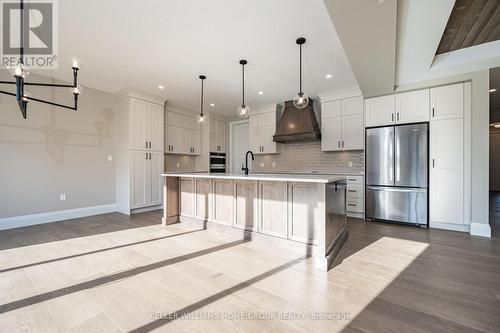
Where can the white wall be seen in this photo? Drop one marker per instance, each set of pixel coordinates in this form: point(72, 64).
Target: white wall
point(56, 151)
point(478, 162)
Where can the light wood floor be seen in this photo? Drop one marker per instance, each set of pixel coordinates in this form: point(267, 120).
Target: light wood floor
point(113, 273)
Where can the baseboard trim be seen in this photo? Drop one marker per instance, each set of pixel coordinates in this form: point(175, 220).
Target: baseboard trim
point(480, 229)
point(145, 209)
point(33, 219)
point(449, 226)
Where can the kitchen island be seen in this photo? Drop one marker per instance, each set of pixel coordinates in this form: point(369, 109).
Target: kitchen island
point(304, 209)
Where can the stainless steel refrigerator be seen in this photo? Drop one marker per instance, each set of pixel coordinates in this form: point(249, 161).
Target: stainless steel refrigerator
point(397, 173)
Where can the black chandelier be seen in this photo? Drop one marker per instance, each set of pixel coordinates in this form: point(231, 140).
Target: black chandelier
point(20, 72)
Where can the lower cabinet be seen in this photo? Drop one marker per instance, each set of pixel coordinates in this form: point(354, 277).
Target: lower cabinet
point(223, 194)
point(146, 180)
point(202, 196)
point(246, 204)
point(187, 197)
point(304, 217)
point(273, 215)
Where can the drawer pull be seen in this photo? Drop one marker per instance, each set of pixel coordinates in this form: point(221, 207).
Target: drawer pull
point(353, 205)
point(352, 191)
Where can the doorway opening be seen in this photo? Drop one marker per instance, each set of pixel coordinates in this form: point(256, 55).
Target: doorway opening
point(238, 132)
point(495, 151)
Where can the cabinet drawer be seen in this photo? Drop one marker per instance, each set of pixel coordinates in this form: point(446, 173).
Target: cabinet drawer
point(355, 180)
point(354, 205)
point(355, 191)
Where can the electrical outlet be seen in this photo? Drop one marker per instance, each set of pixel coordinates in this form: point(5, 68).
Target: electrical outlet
point(261, 164)
point(274, 164)
point(110, 158)
point(350, 164)
point(178, 165)
point(62, 197)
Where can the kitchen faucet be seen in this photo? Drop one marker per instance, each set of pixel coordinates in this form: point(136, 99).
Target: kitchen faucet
point(245, 168)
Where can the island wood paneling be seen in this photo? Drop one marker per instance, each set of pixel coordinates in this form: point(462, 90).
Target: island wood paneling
point(246, 206)
point(304, 217)
point(223, 196)
point(202, 195)
point(273, 215)
point(186, 186)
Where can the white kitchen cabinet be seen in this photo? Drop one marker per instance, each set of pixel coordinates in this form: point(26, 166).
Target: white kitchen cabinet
point(412, 106)
point(146, 181)
point(447, 102)
point(331, 133)
point(183, 134)
point(262, 127)
point(146, 125)
point(355, 196)
point(379, 111)
point(342, 124)
point(446, 183)
point(217, 135)
point(139, 150)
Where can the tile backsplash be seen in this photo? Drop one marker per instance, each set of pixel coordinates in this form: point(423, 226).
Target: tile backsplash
point(175, 163)
point(308, 157)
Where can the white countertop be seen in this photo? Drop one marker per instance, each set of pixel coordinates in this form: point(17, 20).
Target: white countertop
point(311, 178)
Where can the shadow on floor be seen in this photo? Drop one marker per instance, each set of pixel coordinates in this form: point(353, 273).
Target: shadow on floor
point(206, 301)
point(111, 278)
point(97, 251)
point(452, 285)
point(75, 228)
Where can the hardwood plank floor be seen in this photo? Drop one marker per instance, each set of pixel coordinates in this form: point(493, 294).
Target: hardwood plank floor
point(114, 273)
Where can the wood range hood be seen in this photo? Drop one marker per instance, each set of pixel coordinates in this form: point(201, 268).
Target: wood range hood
point(297, 125)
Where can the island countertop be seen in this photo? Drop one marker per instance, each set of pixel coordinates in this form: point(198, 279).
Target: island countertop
point(305, 178)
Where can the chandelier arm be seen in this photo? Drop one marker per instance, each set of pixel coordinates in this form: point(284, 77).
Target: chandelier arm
point(7, 82)
point(55, 104)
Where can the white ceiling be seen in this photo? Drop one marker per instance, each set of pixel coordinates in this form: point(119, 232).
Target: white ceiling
point(367, 30)
point(143, 44)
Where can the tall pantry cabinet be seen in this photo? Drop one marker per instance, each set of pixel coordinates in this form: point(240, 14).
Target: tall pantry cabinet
point(447, 141)
point(140, 151)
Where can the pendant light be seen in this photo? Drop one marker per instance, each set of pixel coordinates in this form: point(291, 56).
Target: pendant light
point(243, 110)
point(201, 116)
point(301, 100)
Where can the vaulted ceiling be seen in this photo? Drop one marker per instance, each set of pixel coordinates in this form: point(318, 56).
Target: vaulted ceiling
point(144, 44)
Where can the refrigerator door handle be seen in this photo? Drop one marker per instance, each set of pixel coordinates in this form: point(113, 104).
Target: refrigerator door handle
point(396, 189)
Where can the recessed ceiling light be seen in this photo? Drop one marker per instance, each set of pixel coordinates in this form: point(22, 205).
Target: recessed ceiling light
point(212, 104)
point(493, 90)
point(328, 76)
point(161, 87)
point(261, 93)
point(381, 1)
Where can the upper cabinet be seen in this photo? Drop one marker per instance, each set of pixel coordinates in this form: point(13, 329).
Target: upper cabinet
point(403, 108)
point(217, 135)
point(412, 106)
point(447, 102)
point(182, 134)
point(262, 128)
point(342, 124)
point(146, 125)
point(379, 111)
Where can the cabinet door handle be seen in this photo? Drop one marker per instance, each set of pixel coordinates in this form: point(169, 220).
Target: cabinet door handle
point(338, 144)
point(433, 163)
point(342, 143)
point(354, 205)
point(392, 116)
point(146, 156)
point(432, 112)
point(150, 144)
point(146, 144)
point(351, 191)
point(397, 116)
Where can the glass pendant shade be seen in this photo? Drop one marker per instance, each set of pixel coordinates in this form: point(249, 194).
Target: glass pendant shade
point(77, 90)
point(301, 101)
point(200, 118)
point(243, 111)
